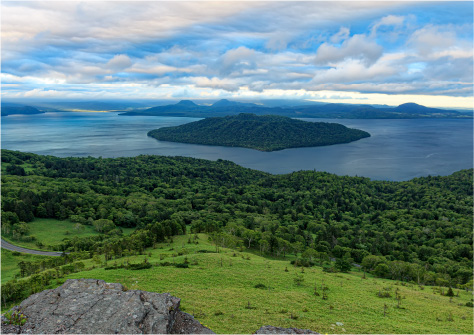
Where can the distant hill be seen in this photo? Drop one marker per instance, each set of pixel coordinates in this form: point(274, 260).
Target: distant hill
point(264, 133)
point(91, 105)
point(412, 108)
point(228, 103)
point(11, 109)
point(187, 104)
point(225, 107)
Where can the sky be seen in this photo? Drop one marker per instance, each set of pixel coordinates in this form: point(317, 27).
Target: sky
point(352, 52)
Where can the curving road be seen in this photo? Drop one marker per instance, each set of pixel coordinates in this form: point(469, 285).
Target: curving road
point(11, 247)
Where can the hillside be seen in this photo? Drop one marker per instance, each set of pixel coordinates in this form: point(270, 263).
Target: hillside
point(225, 107)
point(244, 248)
point(265, 133)
point(217, 288)
point(12, 109)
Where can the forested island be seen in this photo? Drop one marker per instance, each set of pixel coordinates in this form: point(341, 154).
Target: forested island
point(264, 133)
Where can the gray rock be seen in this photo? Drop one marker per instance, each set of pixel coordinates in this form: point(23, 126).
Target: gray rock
point(279, 330)
point(187, 324)
point(89, 306)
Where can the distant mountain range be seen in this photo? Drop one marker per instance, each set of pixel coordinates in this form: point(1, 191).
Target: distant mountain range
point(187, 108)
point(224, 107)
point(11, 109)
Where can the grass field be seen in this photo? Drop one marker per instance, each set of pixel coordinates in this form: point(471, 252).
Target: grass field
point(52, 231)
point(218, 288)
point(9, 263)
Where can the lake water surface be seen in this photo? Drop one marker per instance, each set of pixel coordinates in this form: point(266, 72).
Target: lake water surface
point(396, 150)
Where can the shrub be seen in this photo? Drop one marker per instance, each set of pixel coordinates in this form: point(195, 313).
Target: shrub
point(450, 292)
point(182, 265)
point(248, 306)
point(329, 268)
point(381, 270)
point(15, 317)
point(381, 294)
point(298, 280)
point(293, 316)
point(113, 267)
point(260, 286)
point(139, 266)
point(183, 252)
point(302, 262)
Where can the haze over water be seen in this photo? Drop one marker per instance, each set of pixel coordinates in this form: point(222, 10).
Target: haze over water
point(396, 150)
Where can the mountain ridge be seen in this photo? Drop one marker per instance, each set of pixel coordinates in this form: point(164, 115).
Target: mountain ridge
point(224, 107)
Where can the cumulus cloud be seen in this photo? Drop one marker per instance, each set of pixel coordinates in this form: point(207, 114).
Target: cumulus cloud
point(431, 39)
point(358, 47)
point(234, 48)
point(395, 21)
point(354, 71)
point(238, 59)
point(119, 62)
point(342, 35)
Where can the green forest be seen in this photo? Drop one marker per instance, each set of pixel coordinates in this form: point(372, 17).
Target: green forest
point(264, 133)
point(414, 231)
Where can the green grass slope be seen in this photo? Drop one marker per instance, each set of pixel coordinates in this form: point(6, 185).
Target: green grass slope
point(50, 232)
point(265, 133)
point(219, 288)
point(10, 262)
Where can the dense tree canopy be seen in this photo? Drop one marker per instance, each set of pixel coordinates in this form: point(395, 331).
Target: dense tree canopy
point(414, 230)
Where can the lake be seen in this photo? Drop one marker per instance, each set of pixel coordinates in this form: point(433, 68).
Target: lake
point(396, 150)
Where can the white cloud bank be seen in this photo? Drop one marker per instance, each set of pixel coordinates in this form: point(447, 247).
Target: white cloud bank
point(355, 50)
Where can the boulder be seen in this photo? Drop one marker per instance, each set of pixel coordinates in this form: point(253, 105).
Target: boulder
point(90, 306)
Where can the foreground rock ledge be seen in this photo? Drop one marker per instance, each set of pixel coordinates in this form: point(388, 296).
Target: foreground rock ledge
point(89, 306)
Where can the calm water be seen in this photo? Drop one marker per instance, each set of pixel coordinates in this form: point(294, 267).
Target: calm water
point(397, 149)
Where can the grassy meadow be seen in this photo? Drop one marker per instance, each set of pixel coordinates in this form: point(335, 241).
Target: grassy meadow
point(53, 231)
point(10, 263)
point(219, 290)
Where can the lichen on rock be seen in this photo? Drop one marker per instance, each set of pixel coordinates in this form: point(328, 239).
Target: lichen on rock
point(89, 306)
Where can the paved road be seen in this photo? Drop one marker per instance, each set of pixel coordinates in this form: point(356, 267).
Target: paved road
point(8, 246)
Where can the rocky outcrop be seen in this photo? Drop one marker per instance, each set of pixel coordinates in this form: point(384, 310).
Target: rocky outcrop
point(89, 306)
point(279, 330)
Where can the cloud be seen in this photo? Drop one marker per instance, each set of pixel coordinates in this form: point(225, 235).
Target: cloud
point(237, 60)
point(342, 35)
point(353, 70)
point(119, 62)
point(235, 48)
point(214, 82)
point(357, 47)
point(430, 39)
point(388, 21)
